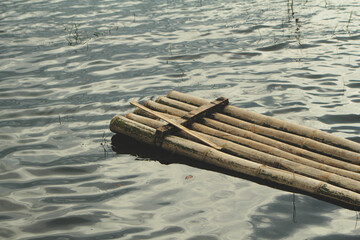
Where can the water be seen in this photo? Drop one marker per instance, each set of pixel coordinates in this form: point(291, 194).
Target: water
point(66, 67)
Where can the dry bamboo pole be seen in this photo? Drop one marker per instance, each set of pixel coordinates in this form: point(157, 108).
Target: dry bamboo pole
point(259, 138)
point(210, 155)
point(144, 113)
point(175, 103)
point(275, 151)
point(261, 157)
point(273, 122)
point(164, 108)
point(299, 141)
point(282, 146)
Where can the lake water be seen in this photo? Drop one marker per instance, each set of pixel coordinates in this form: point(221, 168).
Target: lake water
point(67, 67)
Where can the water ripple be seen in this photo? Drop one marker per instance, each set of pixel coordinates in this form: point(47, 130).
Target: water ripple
point(67, 68)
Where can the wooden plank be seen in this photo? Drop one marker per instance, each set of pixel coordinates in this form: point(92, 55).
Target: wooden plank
point(179, 126)
point(191, 117)
point(206, 109)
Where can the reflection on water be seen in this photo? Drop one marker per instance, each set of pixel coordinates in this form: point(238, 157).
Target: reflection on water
point(66, 68)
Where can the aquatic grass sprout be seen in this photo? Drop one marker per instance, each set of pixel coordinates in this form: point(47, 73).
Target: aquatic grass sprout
point(76, 36)
point(73, 34)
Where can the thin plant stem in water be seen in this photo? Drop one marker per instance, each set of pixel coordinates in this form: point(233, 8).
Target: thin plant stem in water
point(293, 208)
point(260, 36)
point(347, 26)
point(170, 49)
point(334, 32)
point(105, 145)
point(297, 31)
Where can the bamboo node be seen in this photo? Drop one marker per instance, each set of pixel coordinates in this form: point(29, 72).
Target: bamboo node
point(326, 176)
point(205, 154)
point(252, 128)
point(285, 167)
point(319, 186)
point(314, 133)
point(303, 142)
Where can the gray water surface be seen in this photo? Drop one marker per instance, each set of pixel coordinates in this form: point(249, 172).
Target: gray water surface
point(67, 67)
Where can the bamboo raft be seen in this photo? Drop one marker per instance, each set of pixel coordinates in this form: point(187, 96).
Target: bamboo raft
point(276, 151)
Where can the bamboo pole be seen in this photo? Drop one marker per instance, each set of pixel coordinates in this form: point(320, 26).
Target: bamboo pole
point(299, 141)
point(256, 137)
point(175, 104)
point(165, 109)
point(273, 122)
point(290, 138)
point(282, 146)
point(210, 155)
point(275, 151)
point(261, 156)
point(141, 112)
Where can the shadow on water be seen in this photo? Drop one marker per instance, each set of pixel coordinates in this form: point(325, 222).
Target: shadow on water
point(122, 144)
